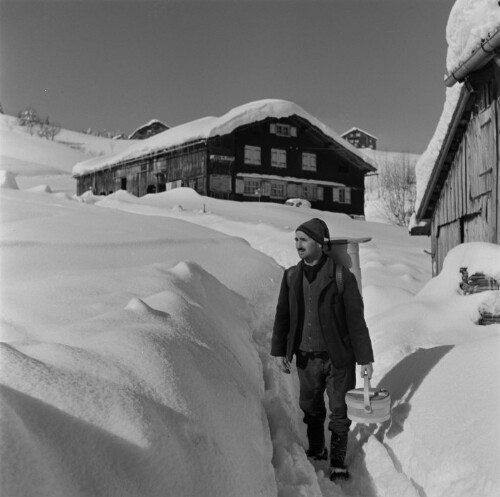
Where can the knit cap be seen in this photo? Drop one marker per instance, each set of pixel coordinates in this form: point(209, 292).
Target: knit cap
point(316, 229)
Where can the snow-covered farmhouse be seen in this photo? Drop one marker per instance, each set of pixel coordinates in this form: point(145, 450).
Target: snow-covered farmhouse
point(458, 200)
point(148, 130)
point(360, 138)
point(269, 150)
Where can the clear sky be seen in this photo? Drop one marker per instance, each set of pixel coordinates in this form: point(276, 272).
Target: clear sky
point(116, 64)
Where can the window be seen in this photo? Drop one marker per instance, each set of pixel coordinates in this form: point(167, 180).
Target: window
point(342, 195)
point(309, 192)
point(283, 130)
point(278, 189)
point(252, 155)
point(347, 197)
point(278, 157)
point(293, 190)
point(308, 161)
point(251, 186)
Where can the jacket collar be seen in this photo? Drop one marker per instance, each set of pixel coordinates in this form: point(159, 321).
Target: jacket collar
point(324, 277)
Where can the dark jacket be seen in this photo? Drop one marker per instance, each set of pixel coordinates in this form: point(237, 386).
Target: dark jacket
point(341, 317)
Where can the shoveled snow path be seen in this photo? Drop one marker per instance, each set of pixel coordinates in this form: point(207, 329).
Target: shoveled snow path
point(374, 473)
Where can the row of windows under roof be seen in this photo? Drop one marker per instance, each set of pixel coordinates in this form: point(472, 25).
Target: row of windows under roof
point(253, 157)
point(282, 189)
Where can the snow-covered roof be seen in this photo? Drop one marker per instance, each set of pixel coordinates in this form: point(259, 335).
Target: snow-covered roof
point(358, 129)
point(147, 125)
point(206, 127)
point(469, 23)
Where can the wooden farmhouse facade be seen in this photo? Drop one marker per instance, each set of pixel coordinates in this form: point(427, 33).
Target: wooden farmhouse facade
point(270, 150)
point(461, 200)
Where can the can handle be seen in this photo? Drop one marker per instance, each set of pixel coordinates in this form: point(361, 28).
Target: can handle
point(368, 407)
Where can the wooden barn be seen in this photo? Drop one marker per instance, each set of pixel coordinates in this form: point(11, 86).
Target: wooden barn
point(270, 150)
point(460, 202)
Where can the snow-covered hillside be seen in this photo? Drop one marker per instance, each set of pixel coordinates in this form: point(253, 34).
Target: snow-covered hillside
point(30, 158)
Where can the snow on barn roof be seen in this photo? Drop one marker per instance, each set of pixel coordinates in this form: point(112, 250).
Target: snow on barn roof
point(469, 24)
point(206, 127)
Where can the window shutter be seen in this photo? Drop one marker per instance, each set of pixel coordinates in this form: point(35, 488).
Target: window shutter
point(320, 193)
point(272, 128)
point(282, 158)
point(336, 194)
point(347, 199)
point(256, 155)
point(293, 131)
point(239, 185)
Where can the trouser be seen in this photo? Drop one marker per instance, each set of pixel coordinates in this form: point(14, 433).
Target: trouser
point(317, 374)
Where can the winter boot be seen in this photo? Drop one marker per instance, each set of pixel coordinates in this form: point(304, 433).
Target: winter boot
point(338, 449)
point(317, 456)
point(316, 438)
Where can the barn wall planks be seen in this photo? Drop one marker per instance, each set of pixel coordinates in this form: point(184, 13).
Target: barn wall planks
point(468, 206)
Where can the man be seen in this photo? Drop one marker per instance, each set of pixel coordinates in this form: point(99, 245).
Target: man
point(326, 331)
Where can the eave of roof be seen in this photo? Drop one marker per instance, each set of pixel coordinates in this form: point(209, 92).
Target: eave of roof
point(446, 154)
point(487, 50)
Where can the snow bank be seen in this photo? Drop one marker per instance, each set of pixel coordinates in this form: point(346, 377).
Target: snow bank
point(135, 354)
point(443, 433)
point(88, 197)
point(40, 189)
point(8, 180)
point(128, 361)
point(160, 398)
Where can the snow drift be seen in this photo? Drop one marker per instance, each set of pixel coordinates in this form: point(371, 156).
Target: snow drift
point(176, 384)
point(135, 354)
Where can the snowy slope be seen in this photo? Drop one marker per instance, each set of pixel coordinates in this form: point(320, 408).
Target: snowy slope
point(135, 354)
point(30, 157)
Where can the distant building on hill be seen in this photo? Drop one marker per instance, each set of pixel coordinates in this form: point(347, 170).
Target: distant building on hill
point(148, 130)
point(360, 138)
point(269, 150)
